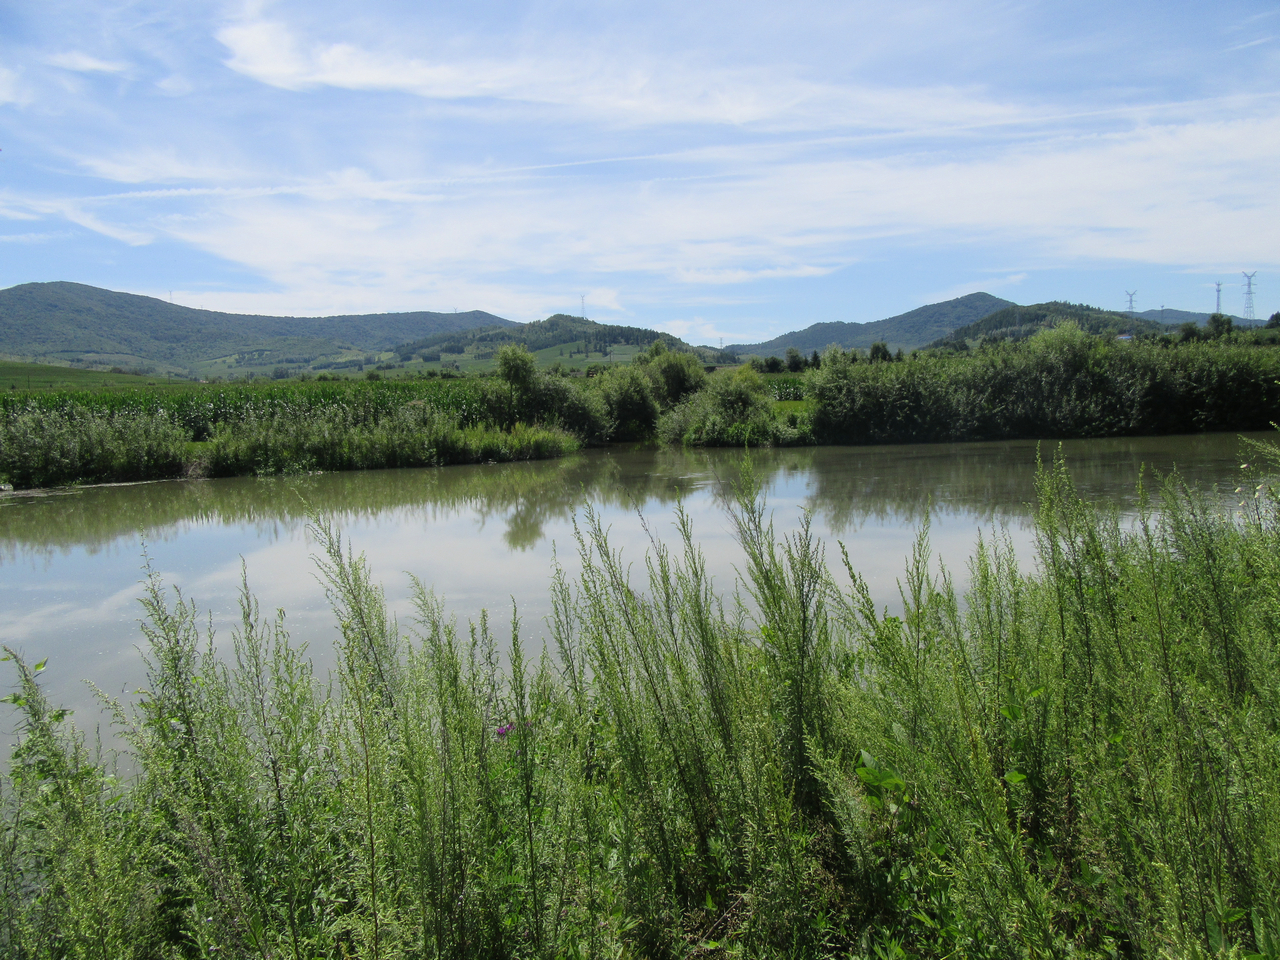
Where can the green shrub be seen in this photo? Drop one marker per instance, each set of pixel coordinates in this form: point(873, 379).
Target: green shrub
point(1058, 383)
point(628, 396)
point(674, 375)
point(543, 398)
point(734, 409)
point(42, 447)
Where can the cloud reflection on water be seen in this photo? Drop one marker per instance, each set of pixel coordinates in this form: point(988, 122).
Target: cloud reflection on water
point(484, 536)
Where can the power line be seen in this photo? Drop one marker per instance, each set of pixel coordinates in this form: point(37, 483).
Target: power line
point(1131, 294)
point(1248, 294)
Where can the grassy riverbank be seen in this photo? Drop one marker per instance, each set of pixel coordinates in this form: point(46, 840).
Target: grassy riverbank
point(84, 436)
point(1078, 761)
point(1060, 383)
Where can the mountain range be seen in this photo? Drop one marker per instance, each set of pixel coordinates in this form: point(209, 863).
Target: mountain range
point(1015, 322)
point(73, 321)
point(908, 330)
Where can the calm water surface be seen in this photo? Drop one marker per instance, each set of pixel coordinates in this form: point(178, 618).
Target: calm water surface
point(71, 561)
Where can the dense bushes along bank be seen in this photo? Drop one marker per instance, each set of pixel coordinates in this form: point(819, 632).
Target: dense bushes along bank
point(1060, 383)
point(1083, 761)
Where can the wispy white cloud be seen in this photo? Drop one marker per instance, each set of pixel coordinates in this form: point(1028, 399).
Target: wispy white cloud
point(10, 89)
point(76, 212)
point(175, 85)
point(156, 165)
point(1170, 195)
point(80, 62)
point(1249, 43)
point(619, 88)
point(30, 237)
point(666, 155)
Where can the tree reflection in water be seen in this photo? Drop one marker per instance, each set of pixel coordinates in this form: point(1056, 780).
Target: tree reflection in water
point(846, 486)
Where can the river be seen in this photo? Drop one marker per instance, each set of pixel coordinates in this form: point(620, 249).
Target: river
point(71, 561)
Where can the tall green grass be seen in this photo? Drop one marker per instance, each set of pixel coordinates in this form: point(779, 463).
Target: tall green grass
point(44, 448)
point(1059, 383)
point(86, 438)
point(200, 409)
point(414, 436)
point(1081, 760)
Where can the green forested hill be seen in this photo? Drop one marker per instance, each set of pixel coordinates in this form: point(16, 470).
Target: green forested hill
point(1014, 322)
point(554, 331)
point(66, 321)
point(908, 330)
point(1171, 316)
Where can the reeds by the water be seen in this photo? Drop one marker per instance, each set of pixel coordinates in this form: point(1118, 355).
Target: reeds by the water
point(44, 448)
point(1079, 759)
point(1059, 383)
point(81, 437)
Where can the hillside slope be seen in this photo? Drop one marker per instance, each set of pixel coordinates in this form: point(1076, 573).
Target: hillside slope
point(1015, 322)
point(907, 330)
point(554, 331)
point(1173, 317)
point(72, 320)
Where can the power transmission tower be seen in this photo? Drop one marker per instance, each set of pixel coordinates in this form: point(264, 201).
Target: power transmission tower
point(1248, 294)
point(1218, 307)
point(1131, 294)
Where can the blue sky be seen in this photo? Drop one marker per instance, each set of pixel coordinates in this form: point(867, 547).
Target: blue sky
point(713, 169)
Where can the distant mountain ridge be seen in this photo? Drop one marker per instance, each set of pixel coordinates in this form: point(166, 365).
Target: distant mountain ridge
point(907, 331)
point(63, 321)
point(558, 329)
point(1172, 316)
point(1016, 322)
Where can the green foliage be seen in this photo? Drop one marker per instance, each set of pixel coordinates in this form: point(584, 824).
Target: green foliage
point(540, 397)
point(674, 375)
point(44, 376)
point(80, 436)
point(628, 396)
point(1219, 325)
point(557, 330)
point(1189, 332)
point(415, 436)
point(1082, 761)
point(42, 448)
point(1061, 382)
point(734, 409)
point(199, 409)
point(516, 367)
point(1017, 323)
